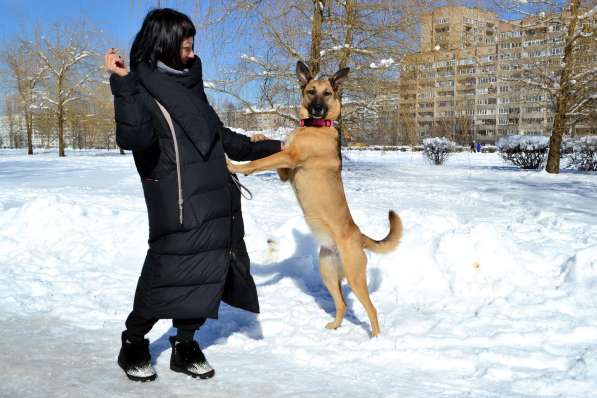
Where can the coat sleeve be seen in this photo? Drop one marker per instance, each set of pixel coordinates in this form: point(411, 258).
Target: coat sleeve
point(134, 130)
point(239, 146)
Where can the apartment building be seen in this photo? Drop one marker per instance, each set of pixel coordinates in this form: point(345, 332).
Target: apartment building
point(463, 83)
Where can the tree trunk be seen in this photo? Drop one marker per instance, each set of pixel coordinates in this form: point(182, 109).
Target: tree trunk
point(559, 122)
point(29, 121)
point(350, 6)
point(61, 130)
point(315, 55)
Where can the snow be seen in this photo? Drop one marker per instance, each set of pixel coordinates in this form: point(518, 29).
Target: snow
point(439, 143)
point(490, 294)
point(589, 13)
point(384, 63)
point(522, 142)
point(248, 58)
point(577, 144)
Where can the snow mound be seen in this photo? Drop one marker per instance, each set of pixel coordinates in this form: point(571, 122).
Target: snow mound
point(581, 269)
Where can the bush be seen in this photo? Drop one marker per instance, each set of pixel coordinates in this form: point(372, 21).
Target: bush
point(488, 149)
point(524, 151)
point(438, 149)
point(581, 152)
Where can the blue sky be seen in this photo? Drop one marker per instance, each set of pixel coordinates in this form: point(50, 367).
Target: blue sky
point(120, 19)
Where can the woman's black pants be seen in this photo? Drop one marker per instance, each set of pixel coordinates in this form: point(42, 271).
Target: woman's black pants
point(137, 327)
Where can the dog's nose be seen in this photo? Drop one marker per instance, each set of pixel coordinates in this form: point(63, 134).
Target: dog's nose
point(317, 109)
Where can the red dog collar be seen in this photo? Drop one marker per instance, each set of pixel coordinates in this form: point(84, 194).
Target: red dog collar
point(316, 122)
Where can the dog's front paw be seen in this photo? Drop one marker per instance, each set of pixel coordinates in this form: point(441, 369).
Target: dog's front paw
point(237, 168)
point(258, 137)
point(332, 325)
point(232, 168)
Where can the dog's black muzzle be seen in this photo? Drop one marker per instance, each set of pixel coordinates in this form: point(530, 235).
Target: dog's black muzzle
point(317, 110)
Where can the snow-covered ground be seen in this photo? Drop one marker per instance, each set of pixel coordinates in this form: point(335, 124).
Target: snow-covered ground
point(492, 293)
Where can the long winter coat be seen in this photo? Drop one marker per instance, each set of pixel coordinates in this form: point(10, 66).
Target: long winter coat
point(196, 254)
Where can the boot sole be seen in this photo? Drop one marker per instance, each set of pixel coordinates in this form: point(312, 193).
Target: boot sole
point(137, 378)
point(203, 376)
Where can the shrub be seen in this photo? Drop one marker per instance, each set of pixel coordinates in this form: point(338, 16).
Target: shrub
point(524, 151)
point(488, 149)
point(581, 152)
point(438, 149)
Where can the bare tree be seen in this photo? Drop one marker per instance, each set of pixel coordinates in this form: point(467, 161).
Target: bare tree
point(463, 130)
point(26, 73)
point(91, 121)
point(569, 83)
point(369, 36)
point(11, 104)
point(444, 127)
point(408, 128)
point(67, 54)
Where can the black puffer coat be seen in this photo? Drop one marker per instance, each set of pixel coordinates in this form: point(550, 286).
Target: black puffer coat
point(196, 254)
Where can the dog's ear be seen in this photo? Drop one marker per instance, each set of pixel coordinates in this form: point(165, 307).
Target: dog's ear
point(339, 78)
point(303, 74)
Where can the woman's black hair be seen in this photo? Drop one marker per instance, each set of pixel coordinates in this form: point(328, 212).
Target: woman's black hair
point(160, 37)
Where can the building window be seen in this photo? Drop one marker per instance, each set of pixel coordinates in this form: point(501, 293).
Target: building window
point(557, 51)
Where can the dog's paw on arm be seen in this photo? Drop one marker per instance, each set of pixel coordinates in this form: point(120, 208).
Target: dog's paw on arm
point(258, 137)
point(237, 168)
point(232, 168)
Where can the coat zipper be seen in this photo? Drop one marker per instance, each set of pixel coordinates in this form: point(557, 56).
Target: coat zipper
point(177, 156)
point(230, 253)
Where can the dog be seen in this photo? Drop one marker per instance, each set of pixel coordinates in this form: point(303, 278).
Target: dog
point(311, 162)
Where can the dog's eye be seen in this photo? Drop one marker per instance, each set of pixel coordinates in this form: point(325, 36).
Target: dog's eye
point(311, 92)
point(327, 93)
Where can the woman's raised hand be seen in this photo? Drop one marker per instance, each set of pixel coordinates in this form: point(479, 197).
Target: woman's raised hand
point(114, 63)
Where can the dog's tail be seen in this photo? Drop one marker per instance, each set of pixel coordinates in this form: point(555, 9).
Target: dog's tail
point(388, 243)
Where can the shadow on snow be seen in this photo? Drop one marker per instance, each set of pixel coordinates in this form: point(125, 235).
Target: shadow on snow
point(303, 269)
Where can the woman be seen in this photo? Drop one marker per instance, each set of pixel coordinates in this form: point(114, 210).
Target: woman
point(196, 255)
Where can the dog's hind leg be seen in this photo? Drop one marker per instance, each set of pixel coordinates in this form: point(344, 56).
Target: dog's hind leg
point(331, 274)
point(354, 261)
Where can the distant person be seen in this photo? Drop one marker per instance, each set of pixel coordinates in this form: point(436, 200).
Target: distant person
point(197, 256)
point(472, 146)
point(478, 147)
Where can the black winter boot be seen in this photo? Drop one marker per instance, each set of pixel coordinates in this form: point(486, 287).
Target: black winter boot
point(188, 358)
point(135, 360)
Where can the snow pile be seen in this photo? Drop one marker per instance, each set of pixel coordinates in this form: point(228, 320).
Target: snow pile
point(491, 292)
point(581, 269)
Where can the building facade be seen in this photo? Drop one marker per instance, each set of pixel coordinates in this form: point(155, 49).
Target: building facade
point(465, 82)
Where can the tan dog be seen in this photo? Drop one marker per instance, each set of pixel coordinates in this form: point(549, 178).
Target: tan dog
point(311, 162)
